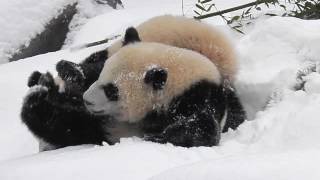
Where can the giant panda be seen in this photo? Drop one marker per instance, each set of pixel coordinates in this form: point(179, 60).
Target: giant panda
point(56, 114)
point(164, 94)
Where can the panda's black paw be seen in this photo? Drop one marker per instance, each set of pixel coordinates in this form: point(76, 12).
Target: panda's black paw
point(70, 72)
point(34, 78)
point(45, 80)
point(196, 130)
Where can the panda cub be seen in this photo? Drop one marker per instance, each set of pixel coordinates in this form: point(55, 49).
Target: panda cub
point(164, 94)
point(173, 101)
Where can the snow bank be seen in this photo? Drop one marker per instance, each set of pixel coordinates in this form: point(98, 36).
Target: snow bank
point(22, 20)
point(293, 165)
point(281, 141)
point(87, 9)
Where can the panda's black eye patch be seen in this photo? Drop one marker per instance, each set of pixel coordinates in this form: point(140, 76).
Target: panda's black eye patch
point(111, 91)
point(157, 77)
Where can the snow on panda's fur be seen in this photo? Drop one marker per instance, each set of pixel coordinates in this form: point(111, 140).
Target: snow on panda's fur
point(165, 94)
point(190, 34)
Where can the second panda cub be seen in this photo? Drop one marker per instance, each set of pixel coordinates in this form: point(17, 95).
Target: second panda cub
point(163, 94)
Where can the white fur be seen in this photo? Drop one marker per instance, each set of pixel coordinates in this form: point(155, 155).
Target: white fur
point(58, 81)
point(127, 68)
point(224, 120)
point(189, 34)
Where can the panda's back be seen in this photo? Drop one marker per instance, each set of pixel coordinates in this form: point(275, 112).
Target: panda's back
point(194, 35)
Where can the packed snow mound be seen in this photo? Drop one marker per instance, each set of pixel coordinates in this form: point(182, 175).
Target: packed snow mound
point(293, 165)
point(279, 142)
point(22, 20)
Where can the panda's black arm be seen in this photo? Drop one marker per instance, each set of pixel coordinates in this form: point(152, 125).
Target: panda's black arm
point(196, 130)
point(58, 118)
point(60, 126)
point(236, 114)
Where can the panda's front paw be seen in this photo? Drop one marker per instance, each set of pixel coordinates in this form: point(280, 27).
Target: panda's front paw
point(44, 80)
point(70, 72)
point(47, 80)
point(34, 78)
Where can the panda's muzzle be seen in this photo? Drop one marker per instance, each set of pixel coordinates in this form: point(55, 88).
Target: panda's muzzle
point(101, 99)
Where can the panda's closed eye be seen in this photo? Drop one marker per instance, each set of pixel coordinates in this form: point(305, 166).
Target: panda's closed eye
point(111, 91)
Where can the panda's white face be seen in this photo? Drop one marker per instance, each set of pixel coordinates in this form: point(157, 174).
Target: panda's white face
point(101, 99)
point(143, 77)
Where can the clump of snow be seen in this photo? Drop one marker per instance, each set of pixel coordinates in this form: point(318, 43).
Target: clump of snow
point(22, 20)
point(312, 84)
point(279, 142)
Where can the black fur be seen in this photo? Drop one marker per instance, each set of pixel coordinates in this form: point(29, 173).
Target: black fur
point(157, 77)
point(85, 73)
point(131, 36)
point(60, 118)
point(236, 113)
point(34, 78)
point(111, 91)
point(193, 119)
point(92, 66)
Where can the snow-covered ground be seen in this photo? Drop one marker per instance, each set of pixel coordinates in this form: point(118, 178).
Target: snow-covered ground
point(22, 20)
point(281, 140)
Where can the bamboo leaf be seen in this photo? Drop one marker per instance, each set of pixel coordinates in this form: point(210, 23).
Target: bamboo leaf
point(200, 7)
point(196, 12)
point(205, 1)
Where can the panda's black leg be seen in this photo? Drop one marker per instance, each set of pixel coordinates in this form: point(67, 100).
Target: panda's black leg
point(235, 111)
point(197, 130)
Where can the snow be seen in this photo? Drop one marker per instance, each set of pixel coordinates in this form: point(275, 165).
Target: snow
point(294, 165)
point(87, 9)
point(280, 140)
point(22, 20)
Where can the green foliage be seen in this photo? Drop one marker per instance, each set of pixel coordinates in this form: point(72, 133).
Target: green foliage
point(305, 9)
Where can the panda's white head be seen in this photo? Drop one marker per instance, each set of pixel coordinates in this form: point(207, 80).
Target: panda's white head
point(142, 77)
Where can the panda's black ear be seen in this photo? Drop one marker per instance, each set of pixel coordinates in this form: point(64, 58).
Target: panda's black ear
point(131, 36)
point(157, 77)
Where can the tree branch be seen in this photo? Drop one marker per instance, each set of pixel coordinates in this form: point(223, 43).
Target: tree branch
point(234, 9)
